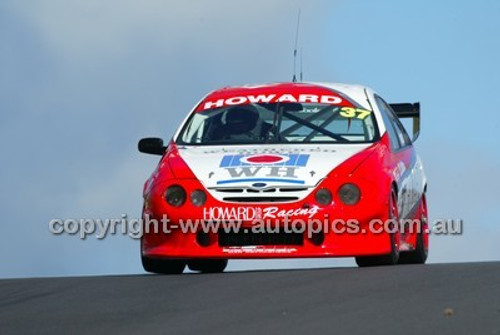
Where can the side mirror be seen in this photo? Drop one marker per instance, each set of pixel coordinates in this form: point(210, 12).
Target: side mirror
point(152, 145)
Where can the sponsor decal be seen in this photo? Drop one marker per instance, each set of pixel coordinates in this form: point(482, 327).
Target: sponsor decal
point(274, 98)
point(260, 150)
point(399, 170)
point(259, 250)
point(306, 110)
point(263, 167)
point(265, 159)
point(244, 213)
point(275, 212)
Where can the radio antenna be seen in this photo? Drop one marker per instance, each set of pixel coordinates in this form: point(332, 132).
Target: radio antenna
point(300, 75)
point(294, 79)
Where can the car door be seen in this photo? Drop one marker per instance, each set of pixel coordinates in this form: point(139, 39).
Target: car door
point(403, 157)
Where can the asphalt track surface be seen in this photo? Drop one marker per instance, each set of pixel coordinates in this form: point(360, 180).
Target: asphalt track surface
point(405, 299)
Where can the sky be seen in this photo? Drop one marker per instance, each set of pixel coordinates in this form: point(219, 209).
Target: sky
point(82, 81)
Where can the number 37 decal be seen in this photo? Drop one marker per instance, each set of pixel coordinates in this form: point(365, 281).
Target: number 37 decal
point(351, 112)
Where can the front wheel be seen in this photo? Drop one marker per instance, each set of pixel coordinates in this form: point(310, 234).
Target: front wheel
point(393, 257)
point(163, 266)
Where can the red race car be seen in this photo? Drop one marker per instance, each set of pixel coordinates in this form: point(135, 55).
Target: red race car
point(286, 170)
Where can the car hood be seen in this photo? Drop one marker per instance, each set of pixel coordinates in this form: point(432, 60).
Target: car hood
point(267, 165)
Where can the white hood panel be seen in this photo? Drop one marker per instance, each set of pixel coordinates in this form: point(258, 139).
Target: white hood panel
point(267, 165)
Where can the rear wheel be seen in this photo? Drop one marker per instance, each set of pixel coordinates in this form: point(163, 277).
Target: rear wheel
point(163, 266)
point(419, 254)
point(208, 265)
point(392, 258)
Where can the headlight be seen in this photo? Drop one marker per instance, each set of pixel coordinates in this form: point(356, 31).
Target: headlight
point(198, 198)
point(323, 196)
point(349, 194)
point(175, 195)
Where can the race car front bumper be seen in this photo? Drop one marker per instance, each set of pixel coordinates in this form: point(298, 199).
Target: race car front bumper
point(297, 229)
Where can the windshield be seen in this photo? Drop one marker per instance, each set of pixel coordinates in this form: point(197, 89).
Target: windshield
point(279, 123)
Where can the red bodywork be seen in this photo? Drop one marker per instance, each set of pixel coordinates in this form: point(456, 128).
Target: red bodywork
point(372, 170)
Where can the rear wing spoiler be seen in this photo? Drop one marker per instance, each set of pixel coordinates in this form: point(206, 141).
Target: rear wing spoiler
point(408, 110)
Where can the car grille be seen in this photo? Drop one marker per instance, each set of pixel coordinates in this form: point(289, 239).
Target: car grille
point(252, 195)
point(253, 190)
point(260, 199)
point(241, 239)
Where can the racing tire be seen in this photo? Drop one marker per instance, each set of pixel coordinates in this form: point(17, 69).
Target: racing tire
point(208, 265)
point(393, 257)
point(163, 266)
point(419, 254)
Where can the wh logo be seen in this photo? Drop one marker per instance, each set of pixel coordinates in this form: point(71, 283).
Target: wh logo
point(269, 171)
